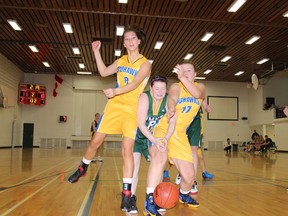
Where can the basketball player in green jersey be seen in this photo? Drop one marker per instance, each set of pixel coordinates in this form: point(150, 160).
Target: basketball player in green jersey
point(151, 108)
point(120, 114)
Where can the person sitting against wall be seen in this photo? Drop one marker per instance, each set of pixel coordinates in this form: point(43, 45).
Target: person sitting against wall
point(286, 111)
point(228, 146)
point(268, 143)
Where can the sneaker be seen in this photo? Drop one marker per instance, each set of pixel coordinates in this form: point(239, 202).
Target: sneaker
point(81, 171)
point(150, 207)
point(159, 209)
point(126, 203)
point(178, 179)
point(207, 175)
point(133, 207)
point(194, 189)
point(166, 177)
point(188, 200)
point(99, 159)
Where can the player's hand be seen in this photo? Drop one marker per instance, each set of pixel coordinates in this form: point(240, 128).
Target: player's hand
point(178, 69)
point(96, 46)
point(110, 93)
point(161, 144)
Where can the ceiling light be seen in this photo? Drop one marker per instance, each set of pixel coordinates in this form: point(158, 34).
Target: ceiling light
point(33, 48)
point(84, 72)
point(239, 73)
point(285, 14)
point(119, 30)
point(207, 71)
point(68, 28)
point(207, 36)
point(81, 65)
point(263, 61)
point(76, 50)
point(236, 5)
point(188, 56)
point(158, 45)
point(200, 78)
point(226, 58)
point(123, 1)
point(46, 64)
point(14, 25)
point(151, 61)
point(252, 39)
point(117, 53)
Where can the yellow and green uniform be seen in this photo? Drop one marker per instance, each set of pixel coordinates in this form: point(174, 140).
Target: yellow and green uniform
point(187, 108)
point(152, 120)
point(120, 113)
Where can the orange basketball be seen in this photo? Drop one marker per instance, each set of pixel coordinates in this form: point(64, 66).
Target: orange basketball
point(166, 195)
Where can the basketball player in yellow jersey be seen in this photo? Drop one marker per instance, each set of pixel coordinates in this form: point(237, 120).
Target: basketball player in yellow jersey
point(184, 99)
point(133, 71)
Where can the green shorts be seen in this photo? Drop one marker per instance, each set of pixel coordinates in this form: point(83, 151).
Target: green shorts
point(194, 133)
point(141, 146)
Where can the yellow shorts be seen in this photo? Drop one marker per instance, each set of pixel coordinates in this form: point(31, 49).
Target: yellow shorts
point(119, 118)
point(179, 147)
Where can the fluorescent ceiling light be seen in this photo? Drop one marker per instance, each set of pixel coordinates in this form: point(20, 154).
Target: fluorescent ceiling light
point(252, 39)
point(285, 14)
point(226, 58)
point(200, 78)
point(188, 56)
point(14, 25)
point(207, 71)
point(207, 36)
point(119, 30)
point(68, 28)
point(81, 65)
point(123, 1)
point(117, 53)
point(76, 50)
point(263, 61)
point(33, 48)
point(84, 72)
point(151, 61)
point(46, 64)
point(158, 45)
point(239, 73)
point(236, 5)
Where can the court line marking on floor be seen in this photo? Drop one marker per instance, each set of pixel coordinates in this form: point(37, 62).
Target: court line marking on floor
point(87, 201)
point(25, 180)
point(118, 174)
point(28, 197)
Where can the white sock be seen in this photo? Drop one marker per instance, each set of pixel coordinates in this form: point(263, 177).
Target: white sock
point(127, 180)
point(184, 192)
point(150, 190)
point(86, 161)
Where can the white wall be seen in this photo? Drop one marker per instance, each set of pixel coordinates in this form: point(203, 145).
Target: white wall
point(10, 116)
point(80, 97)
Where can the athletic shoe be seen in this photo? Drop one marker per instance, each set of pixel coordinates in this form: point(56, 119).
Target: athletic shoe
point(126, 203)
point(159, 209)
point(166, 177)
point(188, 200)
point(178, 179)
point(150, 207)
point(133, 207)
point(81, 171)
point(99, 159)
point(194, 189)
point(207, 175)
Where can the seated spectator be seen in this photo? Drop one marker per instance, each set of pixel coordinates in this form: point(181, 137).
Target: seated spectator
point(254, 135)
point(267, 144)
point(228, 146)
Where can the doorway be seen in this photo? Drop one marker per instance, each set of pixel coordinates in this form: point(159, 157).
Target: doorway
point(28, 131)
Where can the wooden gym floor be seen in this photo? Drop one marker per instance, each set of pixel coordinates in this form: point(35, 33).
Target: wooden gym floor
point(34, 182)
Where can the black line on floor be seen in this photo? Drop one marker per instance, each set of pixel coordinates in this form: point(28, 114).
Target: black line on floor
point(92, 192)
